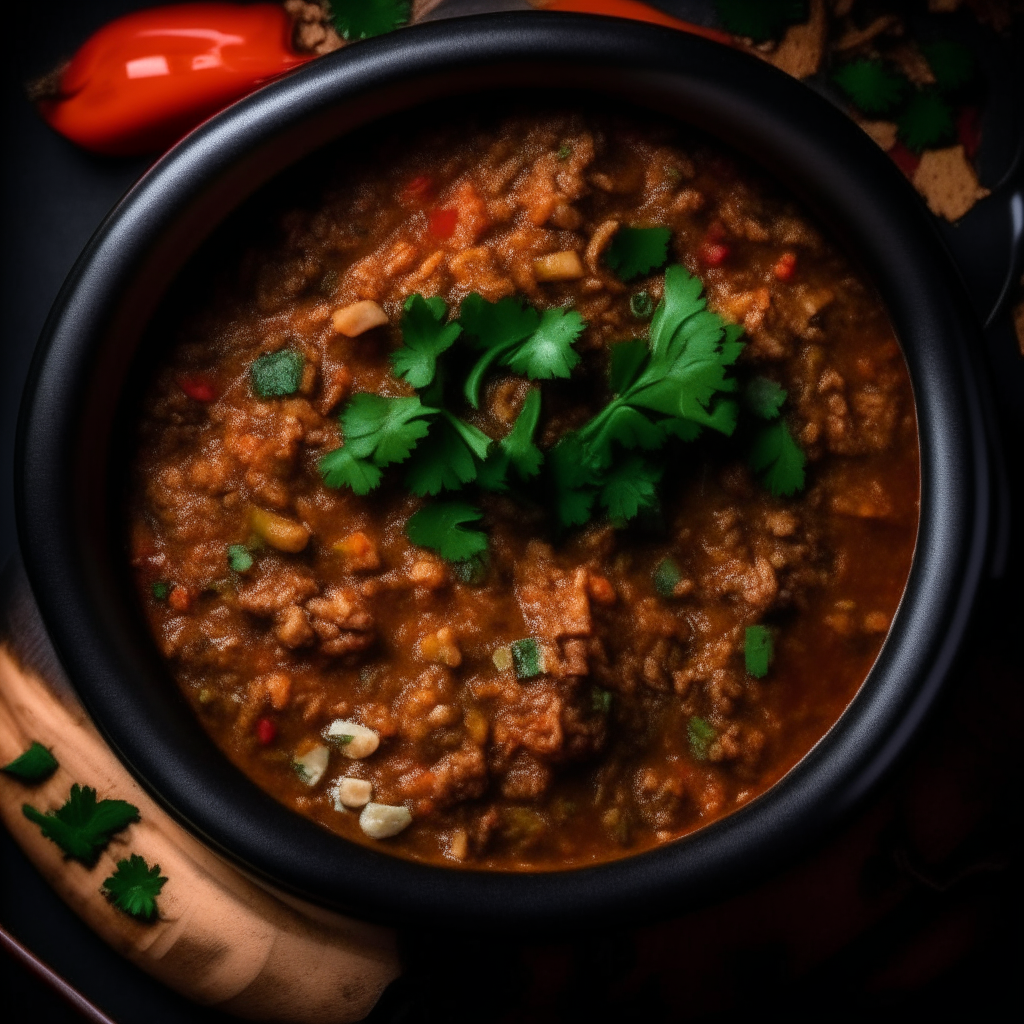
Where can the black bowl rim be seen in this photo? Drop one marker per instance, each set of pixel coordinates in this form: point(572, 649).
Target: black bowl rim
point(836, 171)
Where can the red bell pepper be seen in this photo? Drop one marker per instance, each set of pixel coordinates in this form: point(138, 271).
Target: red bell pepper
point(143, 81)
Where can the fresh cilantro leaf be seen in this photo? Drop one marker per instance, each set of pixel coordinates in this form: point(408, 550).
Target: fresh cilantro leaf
point(134, 887)
point(684, 375)
point(527, 658)
point(764, 397)
point(510, 333)
point(83, 827)
point(239, 558)
point(760, 19)
point(277, 373)
point(34, 765)
point(927, 122)
point(440, 526)
point(573, 482)
point(548, 352)
point(952, 63)
point(629, 486)
point(425, 337)
point(871, 86)
point(363, 19)
point(377, 432)
point(627, 359)
point(515, 450)
point(448, 458)
point(701, 735)
point(637, 251)
point(758, 650)
point(778, 459)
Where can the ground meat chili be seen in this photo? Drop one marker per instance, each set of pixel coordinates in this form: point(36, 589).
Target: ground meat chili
point(567, 694)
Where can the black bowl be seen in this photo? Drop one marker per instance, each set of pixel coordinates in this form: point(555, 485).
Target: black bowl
point(68, 455)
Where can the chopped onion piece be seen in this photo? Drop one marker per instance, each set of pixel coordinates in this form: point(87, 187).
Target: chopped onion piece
point(358, 318)
point(310, 766)
point(352, 739)
point(381, 821)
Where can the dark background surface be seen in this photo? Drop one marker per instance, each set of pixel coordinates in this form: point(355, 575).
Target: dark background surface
point(913, 910)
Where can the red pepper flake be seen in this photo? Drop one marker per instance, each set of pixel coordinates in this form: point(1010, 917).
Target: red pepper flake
point(443, 222)
point(968, 131)
point(713, 254)
point(179, 599)
point(198, 387)
point(266, 731)
point(786, 267)
point(419, 189)
point(904, 159)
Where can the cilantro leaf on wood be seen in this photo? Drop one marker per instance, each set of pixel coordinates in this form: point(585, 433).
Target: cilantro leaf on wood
point(634, 252)
point(83, 826)
point(952, 63)
point(134, 887)
point(871, 86)
point(34, 765)
point(778, 459)
point(758, 650)
point(511, 333)
point(441, 527)
point(515, 450)
point(927, 122)
point(425, 336)
point(447, 459)
point(764, 397)
point(377, 431)
point(363, 19)
point(760, 19)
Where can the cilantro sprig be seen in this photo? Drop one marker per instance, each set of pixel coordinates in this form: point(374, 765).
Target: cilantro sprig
point(363, 19)
point(425, 336)
point(448, 458)
point(513, 334)
point(134, 887)
point(516, 450)
point(778, 460)
point(871, 86)
point(634, 252)
point(442, 527)
point(35, 765)
point(83, 826)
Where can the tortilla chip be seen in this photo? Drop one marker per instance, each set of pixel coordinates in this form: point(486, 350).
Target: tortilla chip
point(881, 132)
point(948, 183)
point(802, 47)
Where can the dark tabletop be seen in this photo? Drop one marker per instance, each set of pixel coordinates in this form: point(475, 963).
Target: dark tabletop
point(912, 910)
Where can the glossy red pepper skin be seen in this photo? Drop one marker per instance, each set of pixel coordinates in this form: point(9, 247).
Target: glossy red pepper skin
point(143, 81)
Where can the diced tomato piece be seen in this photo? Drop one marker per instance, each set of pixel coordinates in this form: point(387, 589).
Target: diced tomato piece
point(904, 159)
point(266, 731)
point(418, 189)
point(179, 599)
point(713, 254)
point(968, 131)
point(198, 388)
point(443, 222)
point(786, 267)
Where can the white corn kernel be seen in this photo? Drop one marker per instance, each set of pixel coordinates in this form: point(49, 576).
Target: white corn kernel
point(381, 821)
point(310, 766)
point(352, 739)
point(351, 793)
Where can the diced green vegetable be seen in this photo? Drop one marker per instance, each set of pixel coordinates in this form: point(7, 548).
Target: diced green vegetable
point(564, 151)
point(641, 305)
point(701, 735)
point(666, 575)
point(35, 765)
point(239, 558)
point(472, 570)
point(601, 701)
point(758, 650)
point(160, 590)
point(527, 658)
point(277, 373)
